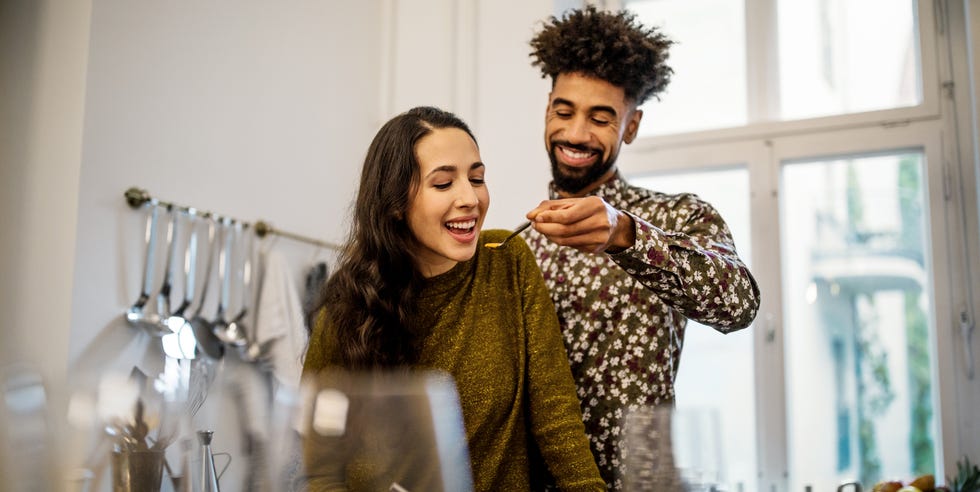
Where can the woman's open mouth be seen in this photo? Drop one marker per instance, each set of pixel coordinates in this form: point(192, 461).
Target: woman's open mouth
point(462, 229)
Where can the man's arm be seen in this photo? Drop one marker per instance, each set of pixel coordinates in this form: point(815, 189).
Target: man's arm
point(689, 260)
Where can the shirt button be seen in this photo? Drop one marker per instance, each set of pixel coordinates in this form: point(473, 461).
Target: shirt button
point(561, 278)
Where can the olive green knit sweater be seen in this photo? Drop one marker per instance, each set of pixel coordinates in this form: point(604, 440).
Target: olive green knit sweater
point(493, 328)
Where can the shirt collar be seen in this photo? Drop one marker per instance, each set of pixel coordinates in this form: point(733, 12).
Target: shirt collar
point(611, 190)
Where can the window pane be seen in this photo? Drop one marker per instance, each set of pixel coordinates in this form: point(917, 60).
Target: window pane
point(707, 89)
point(859, 374)
point(838, 56)
point(715, 384)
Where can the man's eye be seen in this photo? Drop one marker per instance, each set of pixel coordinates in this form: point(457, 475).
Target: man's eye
point(564, 114)
point(600, 121)
point(477, 180)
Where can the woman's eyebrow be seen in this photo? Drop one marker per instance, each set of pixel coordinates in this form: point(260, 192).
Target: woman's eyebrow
point(449, 168)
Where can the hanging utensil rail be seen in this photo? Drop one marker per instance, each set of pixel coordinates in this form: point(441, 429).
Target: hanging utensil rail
point(136, 197)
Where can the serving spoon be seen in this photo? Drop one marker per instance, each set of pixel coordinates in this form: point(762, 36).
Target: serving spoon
point(206, 340)
point(182, 343)
point(222, 327)
point(236, 331)
point(508, 238)
point(232, 332)
point(136, 314)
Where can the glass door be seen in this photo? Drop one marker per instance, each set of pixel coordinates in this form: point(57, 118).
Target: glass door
point(857, 344)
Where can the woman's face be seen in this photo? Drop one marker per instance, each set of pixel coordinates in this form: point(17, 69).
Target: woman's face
point(446, 211)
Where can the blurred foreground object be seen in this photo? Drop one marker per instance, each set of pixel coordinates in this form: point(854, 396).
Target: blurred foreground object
point(385, 431)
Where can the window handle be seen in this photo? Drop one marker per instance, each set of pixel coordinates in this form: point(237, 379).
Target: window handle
point(966, 328)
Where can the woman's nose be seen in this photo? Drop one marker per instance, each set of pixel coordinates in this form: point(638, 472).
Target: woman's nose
point(467, 196)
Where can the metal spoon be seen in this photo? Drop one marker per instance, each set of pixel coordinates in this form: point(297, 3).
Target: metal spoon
point(227, 331)
point(182, 343)
point(177, 319)
point(201, 327)
point(508, 238)
point(163, 297)
point(136, 315)
point(238, 328)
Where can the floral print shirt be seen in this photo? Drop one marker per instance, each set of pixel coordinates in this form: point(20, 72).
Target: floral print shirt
point(623, 315)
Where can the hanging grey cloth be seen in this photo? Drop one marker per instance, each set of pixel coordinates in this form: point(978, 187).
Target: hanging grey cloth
point(316, 278)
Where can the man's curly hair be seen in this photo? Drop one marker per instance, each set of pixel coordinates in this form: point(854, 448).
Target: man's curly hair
point(610, 46)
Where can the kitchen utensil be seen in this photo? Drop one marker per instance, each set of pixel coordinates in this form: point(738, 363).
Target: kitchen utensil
point(508, 238)
point(222, 327)
point(209, 474)
point(136, 315)
point(238, 329)
point(206, 341)
point(182, 343)
point(163, 297)
point(177, 319)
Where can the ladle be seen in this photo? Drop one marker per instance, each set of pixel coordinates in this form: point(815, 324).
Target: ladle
point(163, 297)
point(177, 319)
point(237, 328)
point(206, 340)
point(227, 331)
point(136, 314)
point(182, 343)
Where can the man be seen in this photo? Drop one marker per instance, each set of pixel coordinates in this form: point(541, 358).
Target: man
point(626, 266)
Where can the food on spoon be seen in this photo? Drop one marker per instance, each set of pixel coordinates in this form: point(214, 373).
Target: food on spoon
point(493, 245)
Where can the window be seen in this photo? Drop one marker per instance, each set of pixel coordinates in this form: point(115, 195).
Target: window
point(828, 57)
point(839, 56)
point(708, 86)
point(715, 426)
point(855, 283)
point(821, 138)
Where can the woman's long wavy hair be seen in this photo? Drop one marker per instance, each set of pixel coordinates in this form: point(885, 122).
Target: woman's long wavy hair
point(371, 297)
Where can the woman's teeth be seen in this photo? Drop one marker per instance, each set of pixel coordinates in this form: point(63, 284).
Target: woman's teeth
point(469, 224)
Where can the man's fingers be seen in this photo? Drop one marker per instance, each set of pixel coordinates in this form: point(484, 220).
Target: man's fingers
point(547, 206)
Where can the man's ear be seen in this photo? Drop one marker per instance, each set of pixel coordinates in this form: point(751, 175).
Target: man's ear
point(633, 126)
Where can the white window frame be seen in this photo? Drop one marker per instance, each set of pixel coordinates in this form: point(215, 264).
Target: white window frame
point(951, 198)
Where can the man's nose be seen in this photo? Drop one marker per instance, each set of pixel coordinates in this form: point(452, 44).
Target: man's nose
point(577, 131)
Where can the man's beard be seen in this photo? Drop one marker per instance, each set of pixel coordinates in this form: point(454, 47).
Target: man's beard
point(578, 182)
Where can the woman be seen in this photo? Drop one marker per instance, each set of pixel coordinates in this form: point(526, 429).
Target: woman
point(415, 288)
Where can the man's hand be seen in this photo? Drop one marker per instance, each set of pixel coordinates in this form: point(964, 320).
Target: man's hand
point(587, 224)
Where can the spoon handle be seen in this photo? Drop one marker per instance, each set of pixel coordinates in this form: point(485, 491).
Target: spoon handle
point(509, 237)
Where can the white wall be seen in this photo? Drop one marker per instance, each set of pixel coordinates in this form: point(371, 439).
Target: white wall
point(43, 75)
point(253, 109)
point(43, 54)
point(471, 57)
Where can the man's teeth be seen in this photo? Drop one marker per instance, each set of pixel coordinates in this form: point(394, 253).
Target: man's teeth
point(469, 224)
point(576, 154)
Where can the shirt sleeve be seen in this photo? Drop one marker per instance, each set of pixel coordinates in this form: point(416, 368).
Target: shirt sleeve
point(692, 265)
point(554, 411)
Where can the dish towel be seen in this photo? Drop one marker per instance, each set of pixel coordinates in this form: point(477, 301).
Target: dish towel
point(280, 318)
